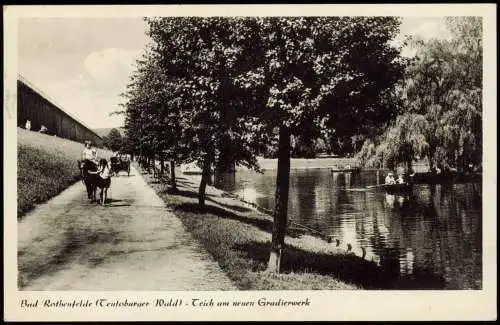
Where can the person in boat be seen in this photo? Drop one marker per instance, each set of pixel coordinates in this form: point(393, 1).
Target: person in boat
point(89, 154)
point(400, 179)
point(389, 179)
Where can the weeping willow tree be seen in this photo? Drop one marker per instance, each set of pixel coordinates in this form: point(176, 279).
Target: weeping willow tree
point(405, 140)
point(441, 117)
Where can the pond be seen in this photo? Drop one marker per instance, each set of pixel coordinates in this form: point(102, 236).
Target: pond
point(432, 235)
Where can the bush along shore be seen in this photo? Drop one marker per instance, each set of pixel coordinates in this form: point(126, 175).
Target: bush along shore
point(238, 236)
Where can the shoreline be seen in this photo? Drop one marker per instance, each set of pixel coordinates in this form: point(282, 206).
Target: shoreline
point(238, 235)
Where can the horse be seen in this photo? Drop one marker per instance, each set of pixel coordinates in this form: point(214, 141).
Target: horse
point(88, 179)
point(93, 181)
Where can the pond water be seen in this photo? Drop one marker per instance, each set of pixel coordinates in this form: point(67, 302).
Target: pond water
point(433, 235)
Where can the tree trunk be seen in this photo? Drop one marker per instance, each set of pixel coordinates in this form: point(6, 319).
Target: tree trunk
point(205, 178)
point(162, 165)
point(223, 171)
point(281, 199)
point(173, 182)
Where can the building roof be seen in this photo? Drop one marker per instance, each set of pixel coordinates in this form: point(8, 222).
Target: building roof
point(53, 102)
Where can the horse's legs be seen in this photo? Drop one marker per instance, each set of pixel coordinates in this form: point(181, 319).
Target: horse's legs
point(101, 196)
point(105, 195)
point(89, 191)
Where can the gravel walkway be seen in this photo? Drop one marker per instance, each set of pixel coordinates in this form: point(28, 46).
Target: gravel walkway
point(133, 243)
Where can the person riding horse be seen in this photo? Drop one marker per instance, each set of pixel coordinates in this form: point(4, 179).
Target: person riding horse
point(89, 155)
point(95, 174)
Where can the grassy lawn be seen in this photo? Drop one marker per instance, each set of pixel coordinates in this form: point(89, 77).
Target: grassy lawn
point(238, 237)
point(46, 165)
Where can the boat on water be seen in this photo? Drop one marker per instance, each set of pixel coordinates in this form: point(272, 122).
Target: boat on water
point(398, 189)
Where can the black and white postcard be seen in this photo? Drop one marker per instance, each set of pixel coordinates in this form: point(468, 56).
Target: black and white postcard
point(239, 162)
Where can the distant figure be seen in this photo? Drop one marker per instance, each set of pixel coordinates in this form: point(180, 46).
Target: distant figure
point(43, 129)
point(27, 126)
point(389, 179)
point(400, 179)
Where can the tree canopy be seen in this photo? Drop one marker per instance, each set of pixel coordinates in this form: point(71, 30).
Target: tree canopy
point(441, 114)
point(209, 84)
point(113, 140)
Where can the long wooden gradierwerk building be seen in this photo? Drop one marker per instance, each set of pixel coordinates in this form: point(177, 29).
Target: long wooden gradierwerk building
point(36, 107)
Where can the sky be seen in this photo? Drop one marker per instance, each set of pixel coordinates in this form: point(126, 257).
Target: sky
point(83, 64)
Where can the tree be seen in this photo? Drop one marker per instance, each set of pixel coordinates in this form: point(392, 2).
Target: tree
point(441, 115)
point(113, 140)
point(184, 100)
point(252, 81)
point(153, 128)
point(321, 75)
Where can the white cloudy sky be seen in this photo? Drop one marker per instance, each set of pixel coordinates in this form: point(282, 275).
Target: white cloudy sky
point(83, 64)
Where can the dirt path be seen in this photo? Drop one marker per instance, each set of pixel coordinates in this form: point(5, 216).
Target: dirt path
point(134, 243)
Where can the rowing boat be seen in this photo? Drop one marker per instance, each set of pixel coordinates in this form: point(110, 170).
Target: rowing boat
point(397, 188)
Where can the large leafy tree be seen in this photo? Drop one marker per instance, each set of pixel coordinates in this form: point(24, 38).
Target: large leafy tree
point(252, 81)
point(318, 76)
point(442, 110)
point(151, 122)
point(185, 100)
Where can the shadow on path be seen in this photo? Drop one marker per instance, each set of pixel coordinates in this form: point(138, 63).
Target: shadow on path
point(262, 224)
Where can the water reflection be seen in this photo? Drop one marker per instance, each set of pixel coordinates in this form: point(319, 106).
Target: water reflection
point(433, 236)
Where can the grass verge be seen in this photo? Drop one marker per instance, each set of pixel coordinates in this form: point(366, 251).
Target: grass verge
point(41, 175)
point(46, 165)
point(238, 237)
